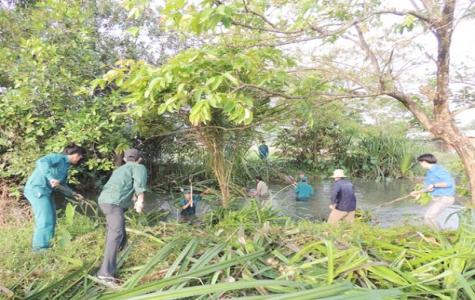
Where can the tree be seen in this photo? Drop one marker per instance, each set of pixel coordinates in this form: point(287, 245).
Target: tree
point(49, 52)
point(363, 49)
point(211, 90)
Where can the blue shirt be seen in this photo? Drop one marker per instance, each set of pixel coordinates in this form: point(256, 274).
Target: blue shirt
point(190, 210)
point(438, 174)
point(343, 195)
point(51, 166)
point(304, 190)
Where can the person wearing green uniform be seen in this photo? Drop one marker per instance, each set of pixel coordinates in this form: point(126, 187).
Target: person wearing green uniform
point(188, 203)
point(51, 171)
point(126, 181)
point(263, 150)
point(303, 190)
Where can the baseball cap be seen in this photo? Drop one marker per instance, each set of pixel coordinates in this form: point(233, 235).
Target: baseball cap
point(132, 154)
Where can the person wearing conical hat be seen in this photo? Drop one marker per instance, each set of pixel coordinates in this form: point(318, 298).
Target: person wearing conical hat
point(343, 199)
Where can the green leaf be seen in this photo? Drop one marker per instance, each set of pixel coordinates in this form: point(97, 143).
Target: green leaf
point(69, 212)
point(231, 78)
point(133, 31)
point(217, 83)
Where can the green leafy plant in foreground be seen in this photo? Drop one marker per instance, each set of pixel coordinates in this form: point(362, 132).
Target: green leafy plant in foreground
point(270, 260)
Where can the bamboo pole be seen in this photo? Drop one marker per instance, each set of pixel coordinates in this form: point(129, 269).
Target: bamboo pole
point(394, 201)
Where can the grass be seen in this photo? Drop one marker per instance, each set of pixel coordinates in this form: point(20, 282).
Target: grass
point(248, 253)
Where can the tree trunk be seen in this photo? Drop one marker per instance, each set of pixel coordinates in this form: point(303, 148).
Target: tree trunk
point(222, 175)
point(446, 129)
point(442, 125)
point(221, 169)
point(466, 151)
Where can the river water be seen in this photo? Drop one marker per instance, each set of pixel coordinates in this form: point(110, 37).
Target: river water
point(369, 195)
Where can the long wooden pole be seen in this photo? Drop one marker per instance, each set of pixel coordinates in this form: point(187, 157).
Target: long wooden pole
point(394, 201)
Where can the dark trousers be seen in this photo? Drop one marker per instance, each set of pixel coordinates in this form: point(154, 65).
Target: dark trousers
point(116, 237)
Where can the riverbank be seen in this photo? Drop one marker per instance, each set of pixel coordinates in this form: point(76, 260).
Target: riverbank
point(252, 251)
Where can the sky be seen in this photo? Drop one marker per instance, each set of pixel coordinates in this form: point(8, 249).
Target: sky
point(462, 49)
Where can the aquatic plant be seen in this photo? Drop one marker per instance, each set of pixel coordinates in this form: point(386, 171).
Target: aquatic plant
point(381, 156)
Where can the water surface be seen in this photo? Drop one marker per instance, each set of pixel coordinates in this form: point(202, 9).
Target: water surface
point(369, 195)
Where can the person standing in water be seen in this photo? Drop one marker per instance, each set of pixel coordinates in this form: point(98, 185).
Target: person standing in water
point(343, 199)
point(440, 184)
point(188, 203)
point(303, 190)
point(262, 191)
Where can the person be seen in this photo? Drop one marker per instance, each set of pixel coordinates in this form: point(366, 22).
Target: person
point(188, 203)
point(343, 199)
point(262, 191)
point(301, 175)
point(263, 150)
point(440, 184)
point(51, 171)
point(303, 190)
point(126, 181)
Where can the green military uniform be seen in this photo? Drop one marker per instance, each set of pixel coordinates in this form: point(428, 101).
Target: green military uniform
point(115, 198)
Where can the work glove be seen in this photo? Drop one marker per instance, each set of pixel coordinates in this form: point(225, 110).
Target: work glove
point(138, 206)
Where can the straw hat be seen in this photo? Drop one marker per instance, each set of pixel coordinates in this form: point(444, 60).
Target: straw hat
point(338, 173)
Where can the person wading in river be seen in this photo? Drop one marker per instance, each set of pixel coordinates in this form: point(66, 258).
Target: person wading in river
point(262, 191)
point(51, 171)
point(440, 184)
point(188, 203)
point(343, 199)
point(126, 181)
point(303, 190)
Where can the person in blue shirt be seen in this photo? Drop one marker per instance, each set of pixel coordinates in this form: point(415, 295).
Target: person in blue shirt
point(188, 203)
point(440, 184)
point(51, 171)
point(343, 199)
point(303, 190)
point(263, 150)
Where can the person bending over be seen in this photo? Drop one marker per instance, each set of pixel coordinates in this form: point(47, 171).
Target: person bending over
point(126, 181)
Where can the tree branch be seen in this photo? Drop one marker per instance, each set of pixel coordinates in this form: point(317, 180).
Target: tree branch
point(458, 111)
